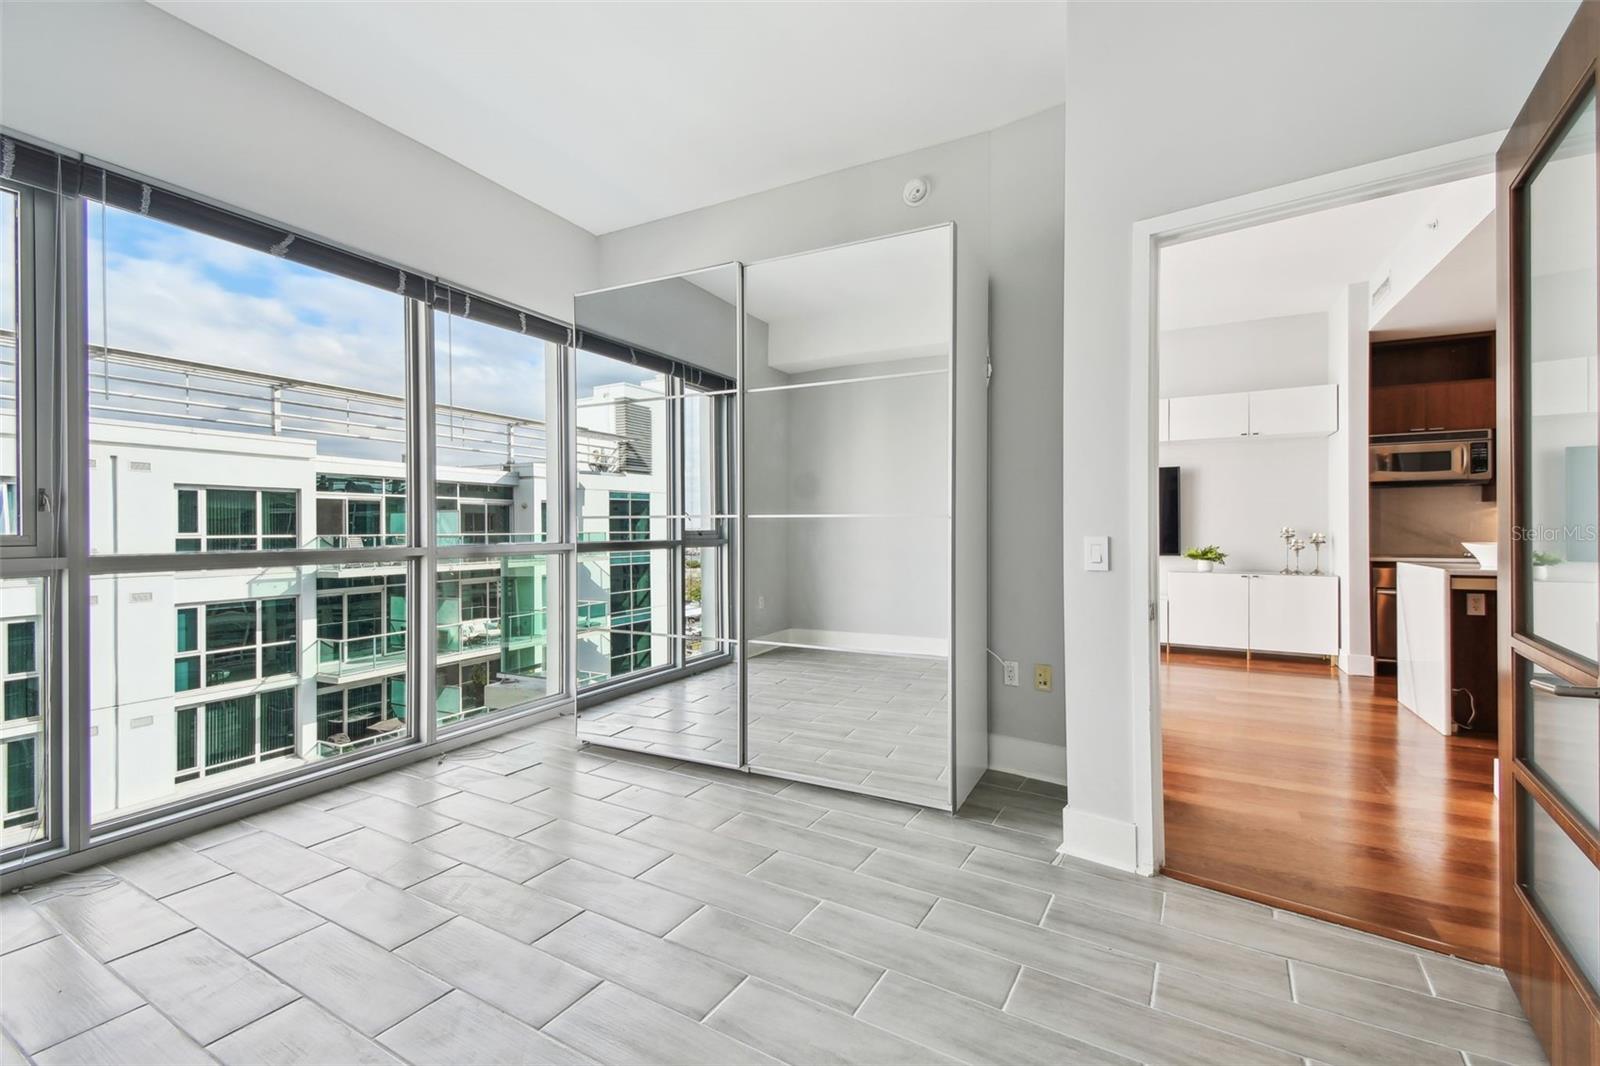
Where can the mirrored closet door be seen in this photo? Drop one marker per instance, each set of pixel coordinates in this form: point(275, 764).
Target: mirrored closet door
point(847, 500)
point(784, 599)
point(655, 376)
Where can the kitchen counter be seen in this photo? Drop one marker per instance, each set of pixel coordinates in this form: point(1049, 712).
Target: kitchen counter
point(1426, 636)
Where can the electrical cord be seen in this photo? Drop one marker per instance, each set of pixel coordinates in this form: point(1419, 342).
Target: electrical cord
point(1472, 703)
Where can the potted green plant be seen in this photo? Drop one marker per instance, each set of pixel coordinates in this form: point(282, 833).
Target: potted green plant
point(1208, 558)
point(1542, 562)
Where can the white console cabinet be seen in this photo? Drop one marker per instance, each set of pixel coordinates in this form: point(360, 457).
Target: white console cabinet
point(1285, 614)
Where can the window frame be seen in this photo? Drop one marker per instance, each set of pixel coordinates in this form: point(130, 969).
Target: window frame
point(203, 536)
point(202, 651)
point(62, 559)
point(200, 770)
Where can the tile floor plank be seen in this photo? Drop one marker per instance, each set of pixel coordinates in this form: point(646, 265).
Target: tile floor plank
point(612, 1024)
point(668, 973)
point(301, 1034)
point(351, 978)
point(242, 914)
point(521, 980)
point(647, 907)
point(203, 985)
point(459, 1029)
point(141, 1035)
point(804, 966)
point(53, 990)
point(795, 1029)
point(741, 895)
point(493, 901)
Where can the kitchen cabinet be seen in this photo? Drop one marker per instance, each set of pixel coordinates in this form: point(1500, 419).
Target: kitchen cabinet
point(1304, 411)
point(1282, 614)
point(1224, 414)
point(1432, 405)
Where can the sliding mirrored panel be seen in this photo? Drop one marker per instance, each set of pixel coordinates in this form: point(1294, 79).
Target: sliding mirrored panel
point(656, 662)
point(848, 587)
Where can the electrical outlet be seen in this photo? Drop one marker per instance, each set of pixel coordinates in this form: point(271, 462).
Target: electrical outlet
point(1012, 672)
point(1041, 677)
point(1477, 604)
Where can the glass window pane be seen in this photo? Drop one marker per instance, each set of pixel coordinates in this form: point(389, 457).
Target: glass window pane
point(167, 726)
point(230, 625)
point(493, 639)
point(625, 625)
point(11, 415)
point(256, 375)
point(24, 726)
point(494, 406)
point(188, 629)
point(19, 647)
point(188, 511)
point(1561, 477)
point(1563, 882)
point(1561, 735)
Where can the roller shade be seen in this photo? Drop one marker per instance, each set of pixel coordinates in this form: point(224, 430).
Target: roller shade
point(600, 344)
point(131, 194)
point(476, 308)
point(44, 168)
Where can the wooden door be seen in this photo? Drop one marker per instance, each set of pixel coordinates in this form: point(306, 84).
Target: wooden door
point(1548, 203)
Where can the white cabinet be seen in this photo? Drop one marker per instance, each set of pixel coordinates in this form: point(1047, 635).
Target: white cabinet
point(1294, 615)
point(1208, 610)
point(1226, 414)
point(1286, 614)
point(1304, 411)
point(1311, 410)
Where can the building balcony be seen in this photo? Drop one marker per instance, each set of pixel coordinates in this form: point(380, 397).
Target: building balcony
point(356, 658)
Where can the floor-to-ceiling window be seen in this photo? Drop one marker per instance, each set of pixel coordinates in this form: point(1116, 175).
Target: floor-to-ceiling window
point(239, 560)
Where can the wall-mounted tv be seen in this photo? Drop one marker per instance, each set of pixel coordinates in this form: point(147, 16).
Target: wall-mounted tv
point(1168, 509)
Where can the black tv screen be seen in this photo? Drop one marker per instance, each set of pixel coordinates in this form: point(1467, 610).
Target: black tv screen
point(1168, 510)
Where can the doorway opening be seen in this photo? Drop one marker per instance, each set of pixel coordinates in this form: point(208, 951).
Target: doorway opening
point(1321, 550)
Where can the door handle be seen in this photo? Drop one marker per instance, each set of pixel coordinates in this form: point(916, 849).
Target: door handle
point(1555, 687)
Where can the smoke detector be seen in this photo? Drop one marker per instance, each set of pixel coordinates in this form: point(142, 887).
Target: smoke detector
point(916, 191)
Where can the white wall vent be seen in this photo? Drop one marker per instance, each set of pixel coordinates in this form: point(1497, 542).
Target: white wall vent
point(138, 465)
point(141, 597)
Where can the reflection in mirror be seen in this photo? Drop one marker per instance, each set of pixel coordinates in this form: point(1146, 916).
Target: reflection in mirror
point(656, 365)
point(848, 499)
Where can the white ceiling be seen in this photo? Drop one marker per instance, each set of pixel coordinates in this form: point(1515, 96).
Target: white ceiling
point(1457, 296)
point(1291, 267)
point(613, 114)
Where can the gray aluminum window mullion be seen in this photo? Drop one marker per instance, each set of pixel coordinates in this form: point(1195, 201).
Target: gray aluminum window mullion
point(33, 337)
point(567, 509)
point(70, 741)
point(420, 386)
point(676, 523)
point(735, 567)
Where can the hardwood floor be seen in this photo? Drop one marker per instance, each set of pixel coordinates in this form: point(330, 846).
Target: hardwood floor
point(1292, 784)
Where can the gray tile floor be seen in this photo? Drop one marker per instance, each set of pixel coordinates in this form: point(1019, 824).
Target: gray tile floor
point(876, 722)
point(526, 901)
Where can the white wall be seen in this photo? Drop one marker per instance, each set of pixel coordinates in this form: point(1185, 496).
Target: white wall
point(1237, 494)
point(1003, 191)
point(130, 84)
point(1350, 367)
point(1173, 105)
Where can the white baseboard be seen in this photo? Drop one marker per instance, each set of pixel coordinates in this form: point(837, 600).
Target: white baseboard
point(846, 641)
point(1030, 758)
point(1358, 665)
point(1097, 838)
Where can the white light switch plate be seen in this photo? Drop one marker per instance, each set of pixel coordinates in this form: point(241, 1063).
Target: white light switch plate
point(1097, 553)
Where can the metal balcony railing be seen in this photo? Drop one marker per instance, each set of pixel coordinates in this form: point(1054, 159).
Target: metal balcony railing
point(141, 387)
point(350, 657)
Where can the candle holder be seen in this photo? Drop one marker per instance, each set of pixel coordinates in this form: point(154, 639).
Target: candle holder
point(1287, 535)
point(1297, 546)
point(1317, 541)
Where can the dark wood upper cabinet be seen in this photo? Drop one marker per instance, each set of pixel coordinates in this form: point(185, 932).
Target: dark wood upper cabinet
point(1432, 383)
point(1437, 405)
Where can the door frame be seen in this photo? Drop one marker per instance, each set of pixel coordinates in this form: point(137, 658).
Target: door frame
point(1473, 157)
point(1560, 1001)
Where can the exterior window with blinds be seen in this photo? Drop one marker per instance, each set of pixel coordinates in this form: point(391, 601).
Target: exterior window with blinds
point(233, 520)
point(228, 643)
point(232, 733)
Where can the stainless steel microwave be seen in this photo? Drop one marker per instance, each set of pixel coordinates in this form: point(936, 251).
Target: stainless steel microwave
point(1452, 456)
